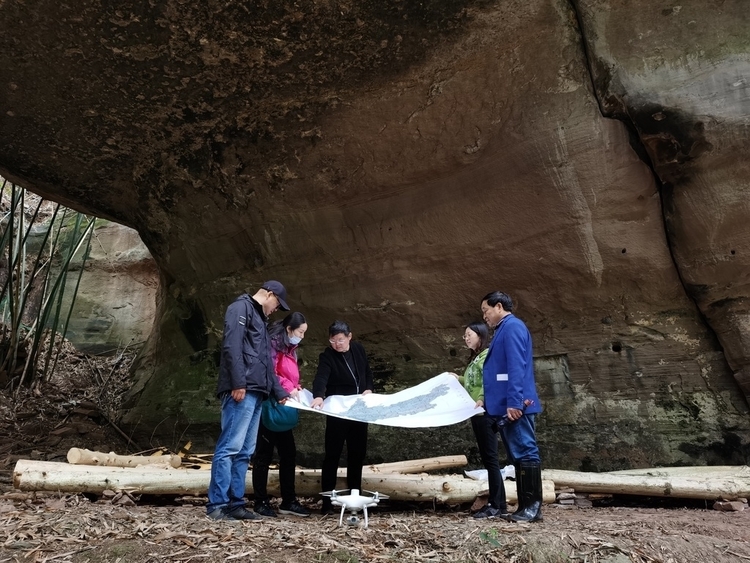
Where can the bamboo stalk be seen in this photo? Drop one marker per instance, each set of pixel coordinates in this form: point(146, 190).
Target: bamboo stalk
point(87, 235)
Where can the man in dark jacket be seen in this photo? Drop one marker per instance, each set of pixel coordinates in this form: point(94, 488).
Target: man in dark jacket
point(246, 377)
point(343, 369)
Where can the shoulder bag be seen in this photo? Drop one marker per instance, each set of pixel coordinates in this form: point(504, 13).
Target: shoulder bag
point(276, 417)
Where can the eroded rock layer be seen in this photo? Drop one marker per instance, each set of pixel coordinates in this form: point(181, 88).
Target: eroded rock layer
point(392, 162)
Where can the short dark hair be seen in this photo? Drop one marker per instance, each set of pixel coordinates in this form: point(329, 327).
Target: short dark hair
point(339, 327)
point(481, 330)
point(496, 297)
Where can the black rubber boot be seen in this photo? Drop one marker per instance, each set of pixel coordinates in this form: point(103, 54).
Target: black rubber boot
point(530, 508)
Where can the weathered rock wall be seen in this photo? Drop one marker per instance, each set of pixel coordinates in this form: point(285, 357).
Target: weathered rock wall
point(115, 299)
point(688, 99)
point(391, 164)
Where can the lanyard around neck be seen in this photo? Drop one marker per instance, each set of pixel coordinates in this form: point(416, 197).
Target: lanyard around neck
point(354, 377)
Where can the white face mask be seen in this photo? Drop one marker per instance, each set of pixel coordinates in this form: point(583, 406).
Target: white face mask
point(294, 340)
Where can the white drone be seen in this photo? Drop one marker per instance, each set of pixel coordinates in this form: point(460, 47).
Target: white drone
point(353, 502)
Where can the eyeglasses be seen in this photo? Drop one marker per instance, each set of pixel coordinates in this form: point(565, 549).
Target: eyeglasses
point(339, 342)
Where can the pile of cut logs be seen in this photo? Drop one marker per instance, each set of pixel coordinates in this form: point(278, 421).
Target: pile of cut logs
point(95, 472)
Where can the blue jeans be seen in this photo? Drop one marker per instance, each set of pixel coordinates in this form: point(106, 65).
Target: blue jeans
point(519, 438)
point(236, 443)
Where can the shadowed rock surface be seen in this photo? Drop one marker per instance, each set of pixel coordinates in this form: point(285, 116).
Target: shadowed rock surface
point(392, 162)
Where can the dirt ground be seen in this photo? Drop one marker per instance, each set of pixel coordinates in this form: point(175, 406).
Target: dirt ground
point(72, 528)
point(77, 408)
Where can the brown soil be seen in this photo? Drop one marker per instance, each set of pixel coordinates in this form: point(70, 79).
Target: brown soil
point(71, 528)
point(74, 409)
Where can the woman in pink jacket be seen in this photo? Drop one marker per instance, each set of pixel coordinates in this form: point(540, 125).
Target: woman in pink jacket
point(285, 337)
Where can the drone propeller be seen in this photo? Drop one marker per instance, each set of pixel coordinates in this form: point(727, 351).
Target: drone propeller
point(376, 494)
point(334, 492)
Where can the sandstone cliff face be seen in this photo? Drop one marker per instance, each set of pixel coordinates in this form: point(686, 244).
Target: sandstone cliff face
point(391, 163)
point(115, 301)
point(689, 101)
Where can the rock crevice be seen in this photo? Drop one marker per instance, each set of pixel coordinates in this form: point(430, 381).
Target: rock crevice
point(614, 108)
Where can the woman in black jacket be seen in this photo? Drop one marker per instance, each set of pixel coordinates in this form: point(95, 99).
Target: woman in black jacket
point(342, 370)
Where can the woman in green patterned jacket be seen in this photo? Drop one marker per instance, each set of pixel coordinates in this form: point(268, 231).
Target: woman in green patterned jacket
point(477, 338)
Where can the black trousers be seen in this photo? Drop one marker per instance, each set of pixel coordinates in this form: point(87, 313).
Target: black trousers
point(284, 443)
point(339, 432)
point(487, 440)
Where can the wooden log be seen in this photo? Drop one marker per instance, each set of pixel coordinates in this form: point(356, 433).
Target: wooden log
point(708, 488)
point(79, 456)
point(31, 475)
point(418, 465)
point(441, 488)
point(691, 471)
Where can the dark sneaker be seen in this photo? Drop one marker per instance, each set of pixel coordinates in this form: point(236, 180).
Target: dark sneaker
point(294, 509)
point(264, 509)
point(326, 509)
point(218, 514)
point(483, 512)
point(488, 511)
point(242, 513)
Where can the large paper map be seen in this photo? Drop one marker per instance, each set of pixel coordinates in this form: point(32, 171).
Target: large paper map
point(439, 401)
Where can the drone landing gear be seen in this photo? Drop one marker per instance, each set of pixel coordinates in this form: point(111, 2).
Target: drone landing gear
point(352, 519)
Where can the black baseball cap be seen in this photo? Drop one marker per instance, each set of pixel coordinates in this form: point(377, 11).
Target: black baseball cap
point(279, 291)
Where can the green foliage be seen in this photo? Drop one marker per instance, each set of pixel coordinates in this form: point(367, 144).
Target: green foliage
point(490, 536)
point(33, 280)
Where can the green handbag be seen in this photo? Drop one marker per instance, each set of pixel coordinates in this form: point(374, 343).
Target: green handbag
point(276, 417)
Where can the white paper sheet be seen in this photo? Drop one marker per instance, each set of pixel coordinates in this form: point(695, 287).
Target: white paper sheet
point(507, 472)
point(440, 401)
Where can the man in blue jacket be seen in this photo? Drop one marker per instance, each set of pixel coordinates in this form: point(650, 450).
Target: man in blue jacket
point(510, 397)
point(246, 377)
